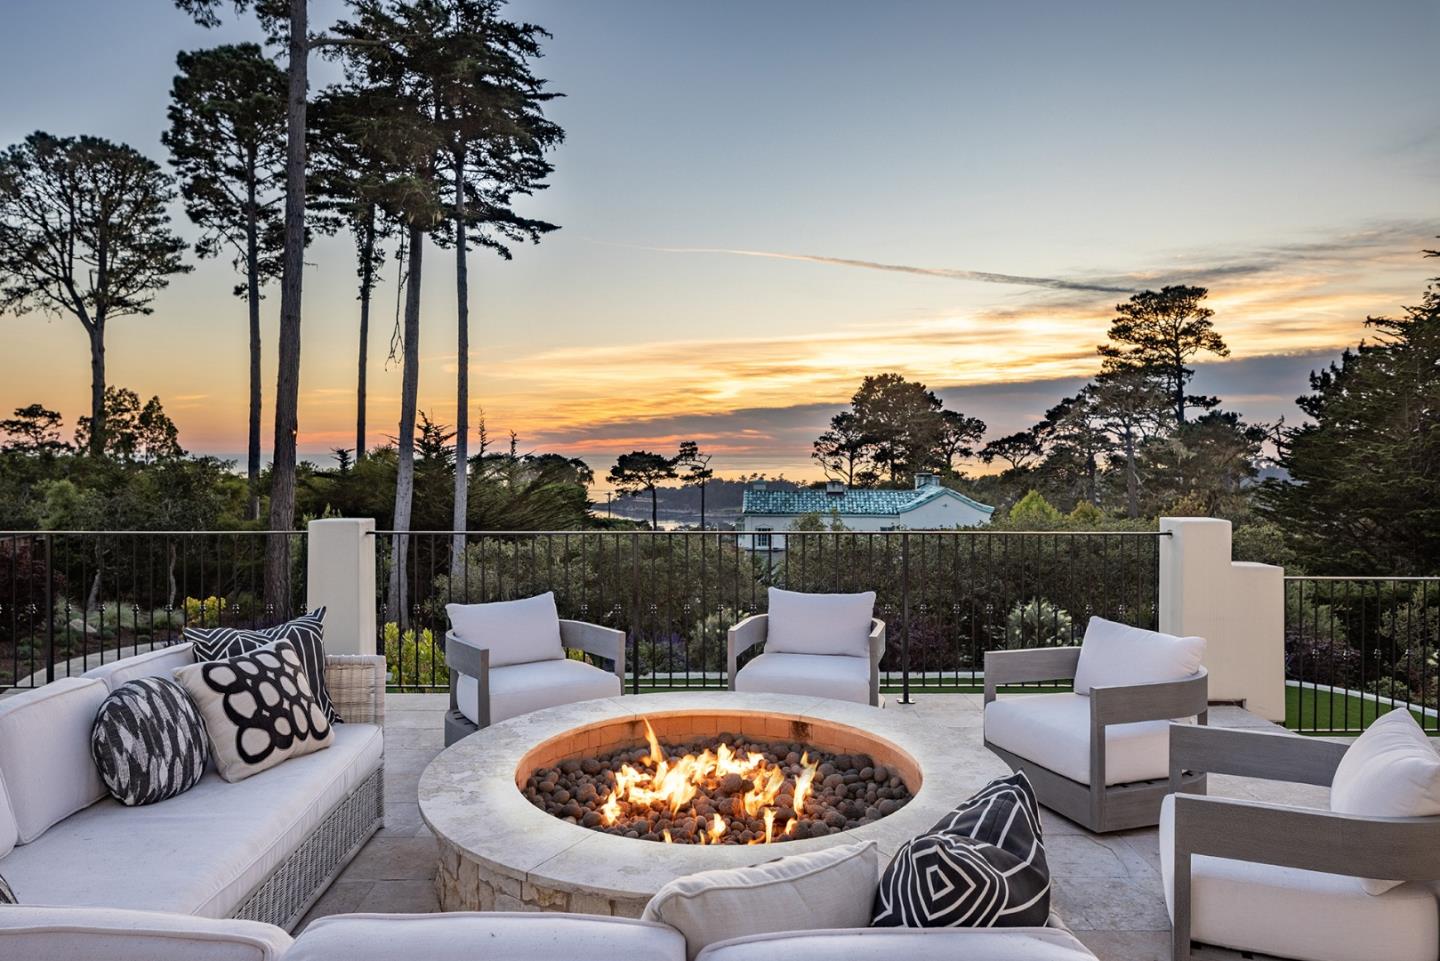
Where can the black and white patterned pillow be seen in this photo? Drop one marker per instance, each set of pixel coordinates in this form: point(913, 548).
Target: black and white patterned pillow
point(7, 894)
point(149, 741)
point(258, 709)
point(306, 632)
point(983, 865)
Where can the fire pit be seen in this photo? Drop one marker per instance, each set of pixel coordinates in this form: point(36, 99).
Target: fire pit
point(517, 828)
point(718, 789)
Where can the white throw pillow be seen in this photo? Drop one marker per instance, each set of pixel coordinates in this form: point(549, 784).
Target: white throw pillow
point(515, 632)
point(1118, 655)
point(1390, 771)
point(833, 888)
point(819, 623)
point(45, 752)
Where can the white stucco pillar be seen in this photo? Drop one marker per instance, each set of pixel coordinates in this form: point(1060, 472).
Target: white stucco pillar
point(340, 574)
point(1239, 608)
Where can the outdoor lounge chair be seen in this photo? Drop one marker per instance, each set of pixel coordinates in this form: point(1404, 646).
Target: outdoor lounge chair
point(1099, 755)
point(1297, 882)
point(508, 658)
point(819, 645)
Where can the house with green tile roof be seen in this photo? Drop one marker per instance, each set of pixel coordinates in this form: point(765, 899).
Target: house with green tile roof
point(766, 513)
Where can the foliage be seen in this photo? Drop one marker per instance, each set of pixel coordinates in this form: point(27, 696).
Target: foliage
point(133, 432)
point(1160, 332)
point(640, 471)
point(1036, 622)
point(415, 659)
point(35, 429)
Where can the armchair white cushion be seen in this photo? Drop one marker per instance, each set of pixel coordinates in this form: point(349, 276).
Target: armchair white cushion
point(45, 752)
point(1390, 771)
point(807, 675)
point(1292, 913)
point(912, 944)
point(819, 623)
point(515, 632)
point(522, 688)
point(109, 934)
point(1118, 655)
point(1053, 730)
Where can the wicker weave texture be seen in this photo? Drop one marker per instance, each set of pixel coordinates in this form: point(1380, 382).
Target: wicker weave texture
point(357, 686)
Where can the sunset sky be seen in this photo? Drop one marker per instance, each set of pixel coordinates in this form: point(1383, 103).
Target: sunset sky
point(762, 202)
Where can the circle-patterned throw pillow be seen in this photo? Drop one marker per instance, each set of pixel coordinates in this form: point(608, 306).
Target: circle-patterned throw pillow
point(149, 741)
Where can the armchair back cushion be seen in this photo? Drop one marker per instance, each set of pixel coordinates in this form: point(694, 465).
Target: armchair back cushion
point(9, 829)
point(515, 632)
point(1390, 771)
point(1118, 655)
point(482, 936)
point(45, 752)
point(819, 623)
point(92, 934)
point(158, 662)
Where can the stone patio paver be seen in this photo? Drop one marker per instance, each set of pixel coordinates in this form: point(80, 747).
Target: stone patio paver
point(1107, 888)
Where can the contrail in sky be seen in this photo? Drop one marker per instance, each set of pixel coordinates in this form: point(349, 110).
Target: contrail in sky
point(983, 276)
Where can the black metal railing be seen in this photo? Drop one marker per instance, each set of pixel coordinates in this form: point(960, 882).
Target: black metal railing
point(947, 596)
point(1358, 647)
point(70, 600)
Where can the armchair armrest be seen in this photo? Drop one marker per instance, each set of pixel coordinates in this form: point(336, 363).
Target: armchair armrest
point(1157, 701)
point(1258, 754)
point(741, 638)
point(462, 657)
point(877, 651)
point(357, 686)
point(1033, 664)
point(595, 639)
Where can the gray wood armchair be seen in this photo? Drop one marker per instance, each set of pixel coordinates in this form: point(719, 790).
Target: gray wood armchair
point(1306, 924)
point(481, 695)
point(1075, 738)
point(840, 676)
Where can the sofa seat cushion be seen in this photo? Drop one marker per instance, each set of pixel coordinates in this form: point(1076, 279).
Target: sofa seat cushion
point(470, 936)
point(45, 753)
point(201, 852)
point(808, 675)
point(106, 934)
point(521, 688)
point(912, 944)
point(159, 662)
point(1299, 914)
point(1053, 731)
point(819, 623)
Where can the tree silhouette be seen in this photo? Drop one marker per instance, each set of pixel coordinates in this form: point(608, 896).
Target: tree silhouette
point(696, 464)
point(840, 450)
point(84, 230)
point(1161, 332)
point(640, 471)
point(1017, 449)
point(35, 429)
point(957, 437)
point(227, 145)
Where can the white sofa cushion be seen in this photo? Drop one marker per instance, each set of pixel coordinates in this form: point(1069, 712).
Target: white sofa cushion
point(472, 936)
point(107, 934)
point(9, 829)
point(833, 888)
point(201, 852)
point(1120, 655)
point(45, 752)
point(1053, 730)
point(160, 662)
point(1299, 914)
point(807, 675)
point(515, 632)
point(522, 688)
point(912, 944)
point(1390, 771)
point(819, 623)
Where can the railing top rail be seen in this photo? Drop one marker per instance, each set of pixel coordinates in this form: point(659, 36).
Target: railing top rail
point(1361, 577)
point(967, 532)
point(165, 533)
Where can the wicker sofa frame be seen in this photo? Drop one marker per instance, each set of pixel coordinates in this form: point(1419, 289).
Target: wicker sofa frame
point(357, 688)
point(1095, 806)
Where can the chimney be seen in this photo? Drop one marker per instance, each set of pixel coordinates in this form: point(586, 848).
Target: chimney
point(926, 480)
point(835, 488)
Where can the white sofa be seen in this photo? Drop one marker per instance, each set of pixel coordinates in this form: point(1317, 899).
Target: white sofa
point(263, 848)
point(42, 933)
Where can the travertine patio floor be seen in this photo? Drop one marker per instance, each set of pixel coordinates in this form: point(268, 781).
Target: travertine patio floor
point(1107, 888)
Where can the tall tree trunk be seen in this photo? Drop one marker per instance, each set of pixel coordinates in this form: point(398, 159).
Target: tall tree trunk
point(367, 282)
point(702, 505)
point(654, 509)
point(462, 377)
point(1091, 465)
point(97, 388)
point(1132, 480)
point(252, 293)
point(287, 383)
point(409, 389)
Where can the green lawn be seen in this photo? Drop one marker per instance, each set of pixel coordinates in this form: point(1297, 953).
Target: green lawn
point(1321, 711)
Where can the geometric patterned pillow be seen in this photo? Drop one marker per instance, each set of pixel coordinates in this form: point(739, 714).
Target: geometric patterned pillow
point(306, 632)
point(149, 741)
point(7, 896)
point(983, 865)
point(258, 709)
